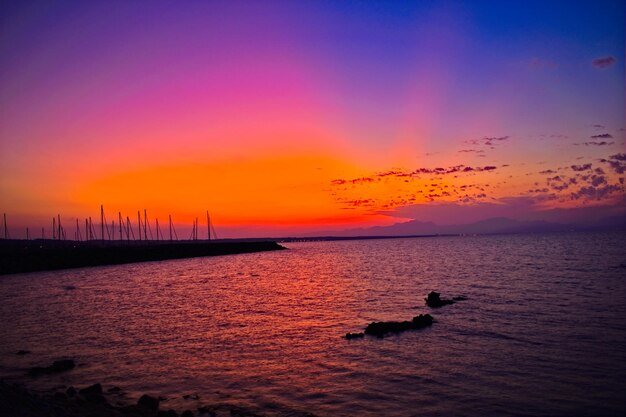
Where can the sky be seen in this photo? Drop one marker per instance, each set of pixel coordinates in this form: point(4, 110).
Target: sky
point(286, 118)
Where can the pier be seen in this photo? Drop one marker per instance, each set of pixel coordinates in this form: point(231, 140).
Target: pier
point(114, 243)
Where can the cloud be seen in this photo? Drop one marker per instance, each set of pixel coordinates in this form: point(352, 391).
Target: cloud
point(547, 171)
point(368, 202)
point(598, 180)
point(617, 162)
point(595, 192)
point(579, 168)
point(602, 136)
point(472, 150)
point(604, 62)
point(487, 140)
point(353, 181)
point(597, 126)
point(601, 143)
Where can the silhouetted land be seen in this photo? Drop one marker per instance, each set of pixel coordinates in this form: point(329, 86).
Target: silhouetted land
point(43, 255)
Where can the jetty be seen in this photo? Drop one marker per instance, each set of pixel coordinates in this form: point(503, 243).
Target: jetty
point(115, 243)
point(45, 254)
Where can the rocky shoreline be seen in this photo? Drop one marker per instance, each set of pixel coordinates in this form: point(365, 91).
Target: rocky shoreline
point(18, 401)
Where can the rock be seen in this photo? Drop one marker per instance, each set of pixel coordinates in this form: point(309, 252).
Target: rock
point(93, 393)
point(168, 413)
point(60, 396)
point(95, 389)
point(434, 301)
point(191, 397)
point(114, 389)
point(459, 298)
point(381, 328)
point(206, 410)
point(187, 413)
point(71, 391)
point(55, 368)
point(148, 402)
point(350, 336)
point(22, 352)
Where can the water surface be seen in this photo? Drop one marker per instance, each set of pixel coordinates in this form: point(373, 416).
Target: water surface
point(543, 331)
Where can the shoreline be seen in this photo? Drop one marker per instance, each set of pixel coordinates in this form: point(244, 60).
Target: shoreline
point(19, 256)
point(16, 400)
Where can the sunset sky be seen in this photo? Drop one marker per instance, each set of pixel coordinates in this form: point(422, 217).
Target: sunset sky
point(285, 118)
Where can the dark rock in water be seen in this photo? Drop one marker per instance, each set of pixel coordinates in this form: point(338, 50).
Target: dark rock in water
point(93, 393)
point(354, 335)
point(187, 413)
point(71, 391)
point(381, 328)
point(22, 352)
point(434, 301)
point(205, 409)
point(148, 402)
point(168, 413)
point(459, 298)
point(95, 389)
point(191, 397)
point(60, 396)
point(55, 368)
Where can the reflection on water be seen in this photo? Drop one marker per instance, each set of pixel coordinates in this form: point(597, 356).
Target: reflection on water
point(543, 330)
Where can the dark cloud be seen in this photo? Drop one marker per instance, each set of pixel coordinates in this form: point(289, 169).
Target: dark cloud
point(596, 193)
point(547, 171)
point(579, 168)
point(394, 173)
point(487, 140)
point(617, 166)
point(360, 203)
point(602, 143)
point(599, 126)
point(354, 181)
point(616, 162)
point(602, 136)
point(603, 62)
point(598, 180)
point(472, 150)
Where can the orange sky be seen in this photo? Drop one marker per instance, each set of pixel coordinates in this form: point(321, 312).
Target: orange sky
point(305, 119)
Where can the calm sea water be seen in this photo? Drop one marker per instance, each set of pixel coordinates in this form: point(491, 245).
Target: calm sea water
point(543, 331)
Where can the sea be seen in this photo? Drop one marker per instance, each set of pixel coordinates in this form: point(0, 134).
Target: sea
point(542, 332)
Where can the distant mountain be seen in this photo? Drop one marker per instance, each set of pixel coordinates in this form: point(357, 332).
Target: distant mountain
point(489, 226)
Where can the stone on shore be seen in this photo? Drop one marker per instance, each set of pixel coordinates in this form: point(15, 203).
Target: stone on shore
point(55, 368)
point(168, 413)
point(148, 402)
point(93, 393)
point(350, 336)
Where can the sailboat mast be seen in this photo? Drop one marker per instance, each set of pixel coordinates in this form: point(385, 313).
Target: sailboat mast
point(208, 225)
point(139, 223)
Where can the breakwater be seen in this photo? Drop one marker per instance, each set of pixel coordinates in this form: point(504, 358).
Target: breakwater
point(41, 255)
